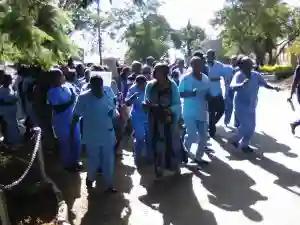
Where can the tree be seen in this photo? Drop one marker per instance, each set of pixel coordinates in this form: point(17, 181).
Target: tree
point(188, 38)
point(145, 39)
point(254, 26)
point(143, 29)
point(34, 32)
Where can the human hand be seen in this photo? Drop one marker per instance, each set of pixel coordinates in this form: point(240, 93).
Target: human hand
point(194, 92)
point(111, 113)
point(277, 89)
point(246, 81)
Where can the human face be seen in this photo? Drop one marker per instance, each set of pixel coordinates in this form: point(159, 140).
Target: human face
point(211, 57)
point(97, 88)
point(180, 63)
point(233, 62)
point(197, 66)
point(246, 66)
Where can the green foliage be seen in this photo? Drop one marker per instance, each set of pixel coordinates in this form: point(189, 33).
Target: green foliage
point(255, 26)
point(34, 32)
point(295, 47)
point(189, 37)
point(280, 71)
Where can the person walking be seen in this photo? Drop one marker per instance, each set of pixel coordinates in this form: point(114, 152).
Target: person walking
point(194, 89)
point(246, 84)
point(295, 89)
point(162, 102)
point(97, 112)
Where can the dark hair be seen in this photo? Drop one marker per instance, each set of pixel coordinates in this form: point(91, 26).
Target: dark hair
point(71, 75)
point(140, 79)
point(163, 67)
point(54, 74)
point(125, 70)
point(79, 68)
point(96, 80)
point(97, 68)
point(199, 54)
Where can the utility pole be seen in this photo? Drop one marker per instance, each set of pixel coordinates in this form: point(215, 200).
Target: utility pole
point(99, 31)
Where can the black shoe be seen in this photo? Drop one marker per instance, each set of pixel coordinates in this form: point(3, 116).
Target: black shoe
point(201, 162)
point(79, 166)
point(89, 184)
point(208, 150)
point(158, 172)
point(111, 190)
point(247, 149)
point(293, 127)
point(235, 144)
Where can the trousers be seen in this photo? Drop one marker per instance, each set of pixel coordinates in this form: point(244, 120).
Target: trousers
point(216, 109)
point(101, 156)
point(140, 128)
point(228, 105)
point(246, 129)
point(196, 132)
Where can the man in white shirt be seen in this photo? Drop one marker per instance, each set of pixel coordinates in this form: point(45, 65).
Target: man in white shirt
point(216, 102)
point(194, 89)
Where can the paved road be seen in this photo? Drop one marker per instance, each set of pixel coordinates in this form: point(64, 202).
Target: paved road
point(235, 189)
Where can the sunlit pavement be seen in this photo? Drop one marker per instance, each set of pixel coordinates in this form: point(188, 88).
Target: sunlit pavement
point(235, 189)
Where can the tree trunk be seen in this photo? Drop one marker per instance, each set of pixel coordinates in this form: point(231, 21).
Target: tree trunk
point(271, 59)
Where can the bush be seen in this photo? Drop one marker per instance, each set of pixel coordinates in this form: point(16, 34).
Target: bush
point(280, 71)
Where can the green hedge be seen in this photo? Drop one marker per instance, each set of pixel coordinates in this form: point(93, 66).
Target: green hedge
point(280, 71)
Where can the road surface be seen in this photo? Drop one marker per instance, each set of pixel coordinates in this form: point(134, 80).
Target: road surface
point(235, 189)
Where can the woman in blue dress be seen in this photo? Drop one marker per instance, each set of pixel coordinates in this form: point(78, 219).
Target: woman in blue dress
point(62, 97)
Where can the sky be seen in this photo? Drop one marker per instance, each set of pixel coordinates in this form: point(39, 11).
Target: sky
point(177, 13)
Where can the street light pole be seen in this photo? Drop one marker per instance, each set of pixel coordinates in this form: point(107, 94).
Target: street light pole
point(99, 32)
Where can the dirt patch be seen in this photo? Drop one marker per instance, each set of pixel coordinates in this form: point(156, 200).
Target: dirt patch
point(30, 202)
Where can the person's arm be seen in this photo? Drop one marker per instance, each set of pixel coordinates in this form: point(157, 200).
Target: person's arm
point(7, 102)
point(75, 120)
point(63, 107)
point(295, 82)
point(236, 84)
point(176, 103)
point(184, 93)
point(268, 86)
point(147, 104)
point(131, 97)
point(78, 111)
point(263, 83)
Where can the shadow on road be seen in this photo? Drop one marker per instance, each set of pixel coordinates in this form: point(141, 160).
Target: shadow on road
point(264, 142)
point(68, 183)
point(104, 208)
point(286, 178)
point(177, 202)
point(231, 189)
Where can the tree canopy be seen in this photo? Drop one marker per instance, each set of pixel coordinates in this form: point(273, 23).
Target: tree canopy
point(256, 26)
point(34, 32)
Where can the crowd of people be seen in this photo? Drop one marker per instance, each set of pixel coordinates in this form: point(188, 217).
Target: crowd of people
point(173, 109)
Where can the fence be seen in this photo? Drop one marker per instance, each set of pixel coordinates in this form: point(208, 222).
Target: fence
point(37, 154)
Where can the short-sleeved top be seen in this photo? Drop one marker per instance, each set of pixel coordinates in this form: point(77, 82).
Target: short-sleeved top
point(195, 107)
point(246, 96)
point(61, 95)
point(228, 74)
point(108, 91)
point(215, 73)
point(137, 110)
point(98, 125)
